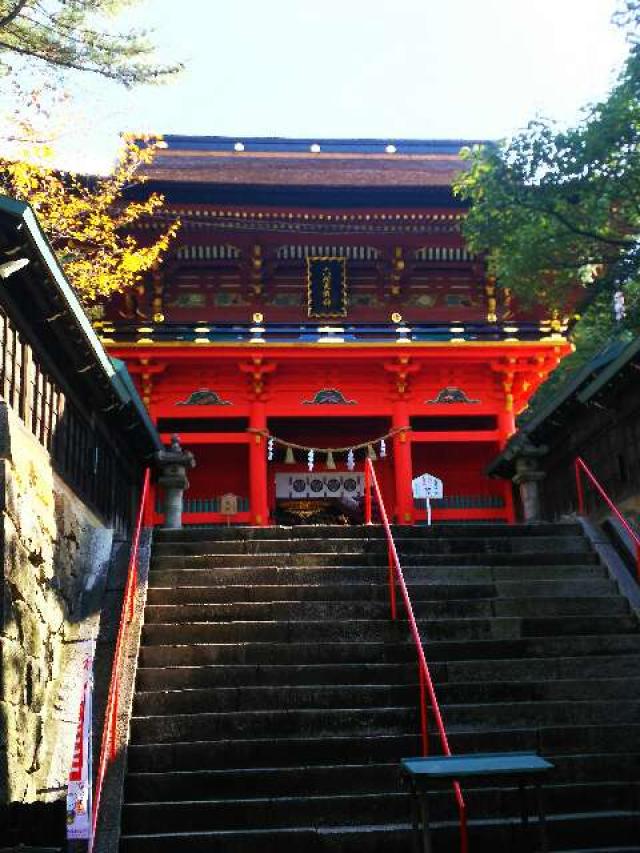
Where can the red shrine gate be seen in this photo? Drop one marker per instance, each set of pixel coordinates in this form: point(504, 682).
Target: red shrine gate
point(325, 299)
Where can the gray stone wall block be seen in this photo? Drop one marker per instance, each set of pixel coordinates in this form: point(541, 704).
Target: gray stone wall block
point(13, 671)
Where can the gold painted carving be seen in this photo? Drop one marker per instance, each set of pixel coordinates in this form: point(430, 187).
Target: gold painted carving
point(490, 291)
point(397, 270)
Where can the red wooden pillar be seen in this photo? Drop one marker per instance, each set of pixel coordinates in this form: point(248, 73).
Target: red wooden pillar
point(258, 501)
point(506, 428)
point(402, 465)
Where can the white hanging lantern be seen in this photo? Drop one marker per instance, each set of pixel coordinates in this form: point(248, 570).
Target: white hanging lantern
point(351, 460)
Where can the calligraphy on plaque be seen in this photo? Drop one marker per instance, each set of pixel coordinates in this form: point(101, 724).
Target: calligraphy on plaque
point(327, 287)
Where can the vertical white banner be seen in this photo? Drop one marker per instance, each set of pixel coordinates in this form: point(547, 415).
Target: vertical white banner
point(80, 777)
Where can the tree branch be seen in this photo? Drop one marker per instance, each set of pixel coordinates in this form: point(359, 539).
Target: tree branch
point(575, 229)
point(63, 63)
point(13, 13)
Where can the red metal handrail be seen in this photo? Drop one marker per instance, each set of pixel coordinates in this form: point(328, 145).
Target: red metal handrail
point(108, 746)
point(426, 682)
point(581, 465)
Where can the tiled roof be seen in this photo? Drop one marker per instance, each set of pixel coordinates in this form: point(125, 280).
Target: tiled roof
point(307, 162)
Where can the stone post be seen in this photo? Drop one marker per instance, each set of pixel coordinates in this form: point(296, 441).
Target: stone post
point(173, 464)
point(528, 477)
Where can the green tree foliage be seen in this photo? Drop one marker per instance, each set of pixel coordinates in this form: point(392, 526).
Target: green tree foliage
point(77, 35)
point(557, 211)
point(553, 208)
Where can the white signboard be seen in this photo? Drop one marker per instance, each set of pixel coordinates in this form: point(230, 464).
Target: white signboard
point(79, 789)
point(428, 487)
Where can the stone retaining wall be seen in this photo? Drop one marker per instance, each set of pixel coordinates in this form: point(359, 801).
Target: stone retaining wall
point(55, 554)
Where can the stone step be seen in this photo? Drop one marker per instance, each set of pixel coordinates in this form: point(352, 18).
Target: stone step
point(405, 546)
point(380, 748)
point(181, 654)
point(179, 677)
point(240, 699)
point(331, 779)
point(601, 828)
point(355, 630)
point(263, 781)
point(633, 848)
point(309, 559)
point(371, 720)
point(277, 811)
point(197, 654)
point(379, 592)
point(449, 574)
point(475, 717)
point(247, 698)
point(274, 723)
point(284, 610)
point(351, 630)
point(364, 532)
point(267, 752)
point(597, 767)
point(549, 739)
point(532, 669)
point(605, 829)
point(353, 809)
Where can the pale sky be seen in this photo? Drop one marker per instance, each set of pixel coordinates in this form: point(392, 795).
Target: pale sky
point(357, 68)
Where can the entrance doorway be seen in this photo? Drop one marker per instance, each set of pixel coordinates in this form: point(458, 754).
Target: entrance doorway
point(330, 493)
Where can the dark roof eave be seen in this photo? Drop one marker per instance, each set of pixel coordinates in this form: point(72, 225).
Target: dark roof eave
point(366, 145)
point(569, 396)
point(275, 195)
point(122, 379)
point(127, 396)
point(626, 358)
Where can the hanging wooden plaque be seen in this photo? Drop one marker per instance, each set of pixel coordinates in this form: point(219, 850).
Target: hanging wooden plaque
point(229, 504)
point(327, 287)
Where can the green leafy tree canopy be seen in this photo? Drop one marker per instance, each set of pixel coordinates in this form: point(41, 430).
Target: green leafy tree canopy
point(77, 35)
point(555, 208)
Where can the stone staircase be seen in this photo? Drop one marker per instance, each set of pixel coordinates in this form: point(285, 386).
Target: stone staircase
point(275, 698)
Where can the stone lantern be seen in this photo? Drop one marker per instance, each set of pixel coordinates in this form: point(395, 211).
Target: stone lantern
point(173, 464)
point(528, 477)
